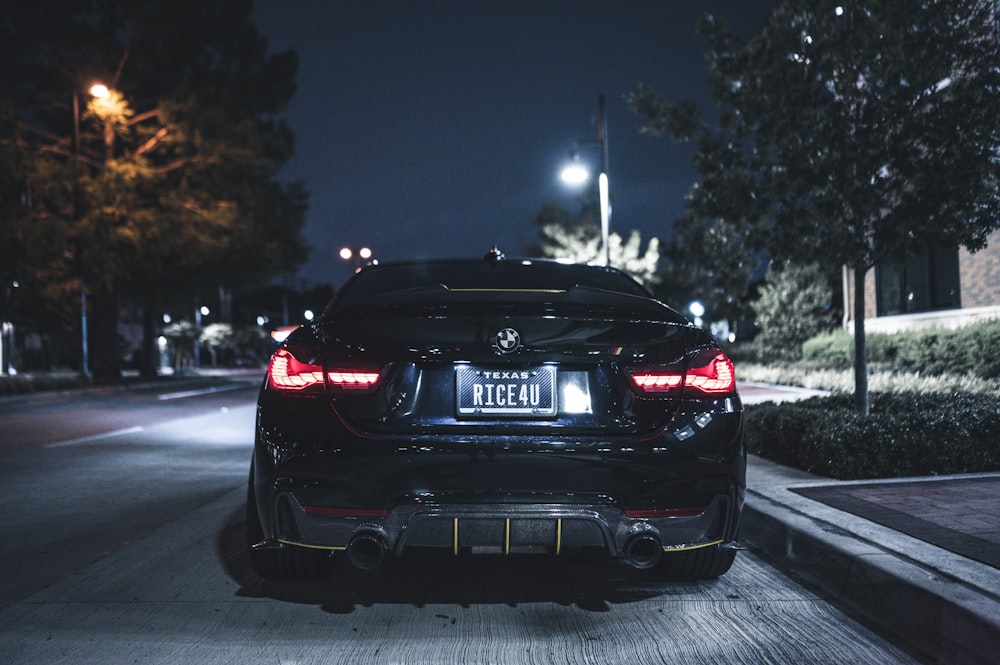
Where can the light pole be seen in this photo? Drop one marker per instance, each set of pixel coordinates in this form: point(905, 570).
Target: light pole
point(198, 313)
point(576, 174)
point(97, 90)
point(85, 361)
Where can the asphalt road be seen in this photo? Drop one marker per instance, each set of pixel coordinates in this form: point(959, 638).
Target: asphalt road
point(123, 542)
point(83, 474)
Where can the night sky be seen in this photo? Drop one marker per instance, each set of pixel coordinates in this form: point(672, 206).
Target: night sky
point(438, 128)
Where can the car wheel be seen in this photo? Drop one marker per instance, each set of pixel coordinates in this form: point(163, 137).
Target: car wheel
point(281, 562)
point(701, 563)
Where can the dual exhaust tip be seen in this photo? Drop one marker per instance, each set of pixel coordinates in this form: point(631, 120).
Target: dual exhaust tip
point(643, 550)
point(367, 550)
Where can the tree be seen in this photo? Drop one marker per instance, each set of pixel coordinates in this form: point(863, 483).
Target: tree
point(578, 239)
point(713, 252)
point(794, 305)
point(172, 187)
point(218, 337)
point(181, 337)
point(709, 260)
point(855, 133)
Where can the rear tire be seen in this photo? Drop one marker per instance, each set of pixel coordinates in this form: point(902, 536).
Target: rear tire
point(280, 561)
point(701, 563)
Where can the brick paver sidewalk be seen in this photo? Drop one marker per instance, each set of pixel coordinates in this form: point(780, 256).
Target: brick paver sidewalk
point(959, 514)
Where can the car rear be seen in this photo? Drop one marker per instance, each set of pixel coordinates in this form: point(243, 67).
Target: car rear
point(489, 417)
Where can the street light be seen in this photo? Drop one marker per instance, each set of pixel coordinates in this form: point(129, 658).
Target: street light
point(99, 91)
point(363, 254)
point(576, 174)
point(697, 310)
point(199, 312)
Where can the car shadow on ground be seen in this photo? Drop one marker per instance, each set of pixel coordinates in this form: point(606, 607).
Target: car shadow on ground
point(419, 579)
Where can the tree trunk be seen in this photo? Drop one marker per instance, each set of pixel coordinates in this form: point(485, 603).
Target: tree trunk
point(861, 401)
point(150, 357)
point(105, 355)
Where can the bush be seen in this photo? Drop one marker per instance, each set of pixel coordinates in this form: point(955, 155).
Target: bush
point(906, 434)
point(833, 349)
point(794, 304)
point(28, 383)
point(742, 352)
point(962, 351)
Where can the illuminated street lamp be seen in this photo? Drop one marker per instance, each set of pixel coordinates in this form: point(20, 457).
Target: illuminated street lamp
point(576, 174)
point(363, 254)
point(697, 310)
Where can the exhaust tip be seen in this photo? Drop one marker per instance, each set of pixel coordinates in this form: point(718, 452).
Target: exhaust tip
point(643, 551)
point(366, 550)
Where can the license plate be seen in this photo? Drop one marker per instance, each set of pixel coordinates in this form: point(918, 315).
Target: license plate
point(505, 392)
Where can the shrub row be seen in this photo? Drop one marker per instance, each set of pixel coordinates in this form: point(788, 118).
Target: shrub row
point(965, 350)
point(906, 434)
point(21, 384)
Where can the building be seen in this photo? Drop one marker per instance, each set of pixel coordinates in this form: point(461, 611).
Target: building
point(936, 288)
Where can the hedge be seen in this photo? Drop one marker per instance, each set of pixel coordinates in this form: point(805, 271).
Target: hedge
point(906, 434)
point(966, 350)
point(23, 384)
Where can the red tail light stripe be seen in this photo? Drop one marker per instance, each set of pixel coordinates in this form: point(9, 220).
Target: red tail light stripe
point(664, 512)
point(718, 377)
point(658, 382)
point(345, 378)
point(288, 373)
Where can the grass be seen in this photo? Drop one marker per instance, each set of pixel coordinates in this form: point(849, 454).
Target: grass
point(816, 377)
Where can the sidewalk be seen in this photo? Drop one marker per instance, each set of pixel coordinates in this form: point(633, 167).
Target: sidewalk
point(914, 557)
point(918, 558)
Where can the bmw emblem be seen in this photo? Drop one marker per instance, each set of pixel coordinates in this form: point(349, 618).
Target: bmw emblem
point(506, 341)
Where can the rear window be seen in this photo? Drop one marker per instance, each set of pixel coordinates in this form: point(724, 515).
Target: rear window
point(524, 275)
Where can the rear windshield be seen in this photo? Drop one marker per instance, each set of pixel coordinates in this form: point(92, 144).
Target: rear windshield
point(525, 275)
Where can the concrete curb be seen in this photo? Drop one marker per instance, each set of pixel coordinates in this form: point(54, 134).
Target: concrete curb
point(937, 616)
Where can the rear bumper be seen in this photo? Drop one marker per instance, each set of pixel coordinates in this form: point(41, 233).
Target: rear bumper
point(509, 528)
point(320, 485)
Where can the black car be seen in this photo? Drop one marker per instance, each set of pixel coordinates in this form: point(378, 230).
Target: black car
point(497, 406)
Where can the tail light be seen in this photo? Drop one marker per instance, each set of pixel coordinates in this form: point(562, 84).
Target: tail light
point(710, 374)
point(352, 379)
point(288, 373)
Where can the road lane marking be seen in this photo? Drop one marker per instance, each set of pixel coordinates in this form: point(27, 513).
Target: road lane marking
point(94, 437)
point(200, 391)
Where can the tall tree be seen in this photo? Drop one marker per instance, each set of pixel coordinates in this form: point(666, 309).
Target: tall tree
point(173, 185)
point(857, 132)
point(709, 259)
point(713, 251)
